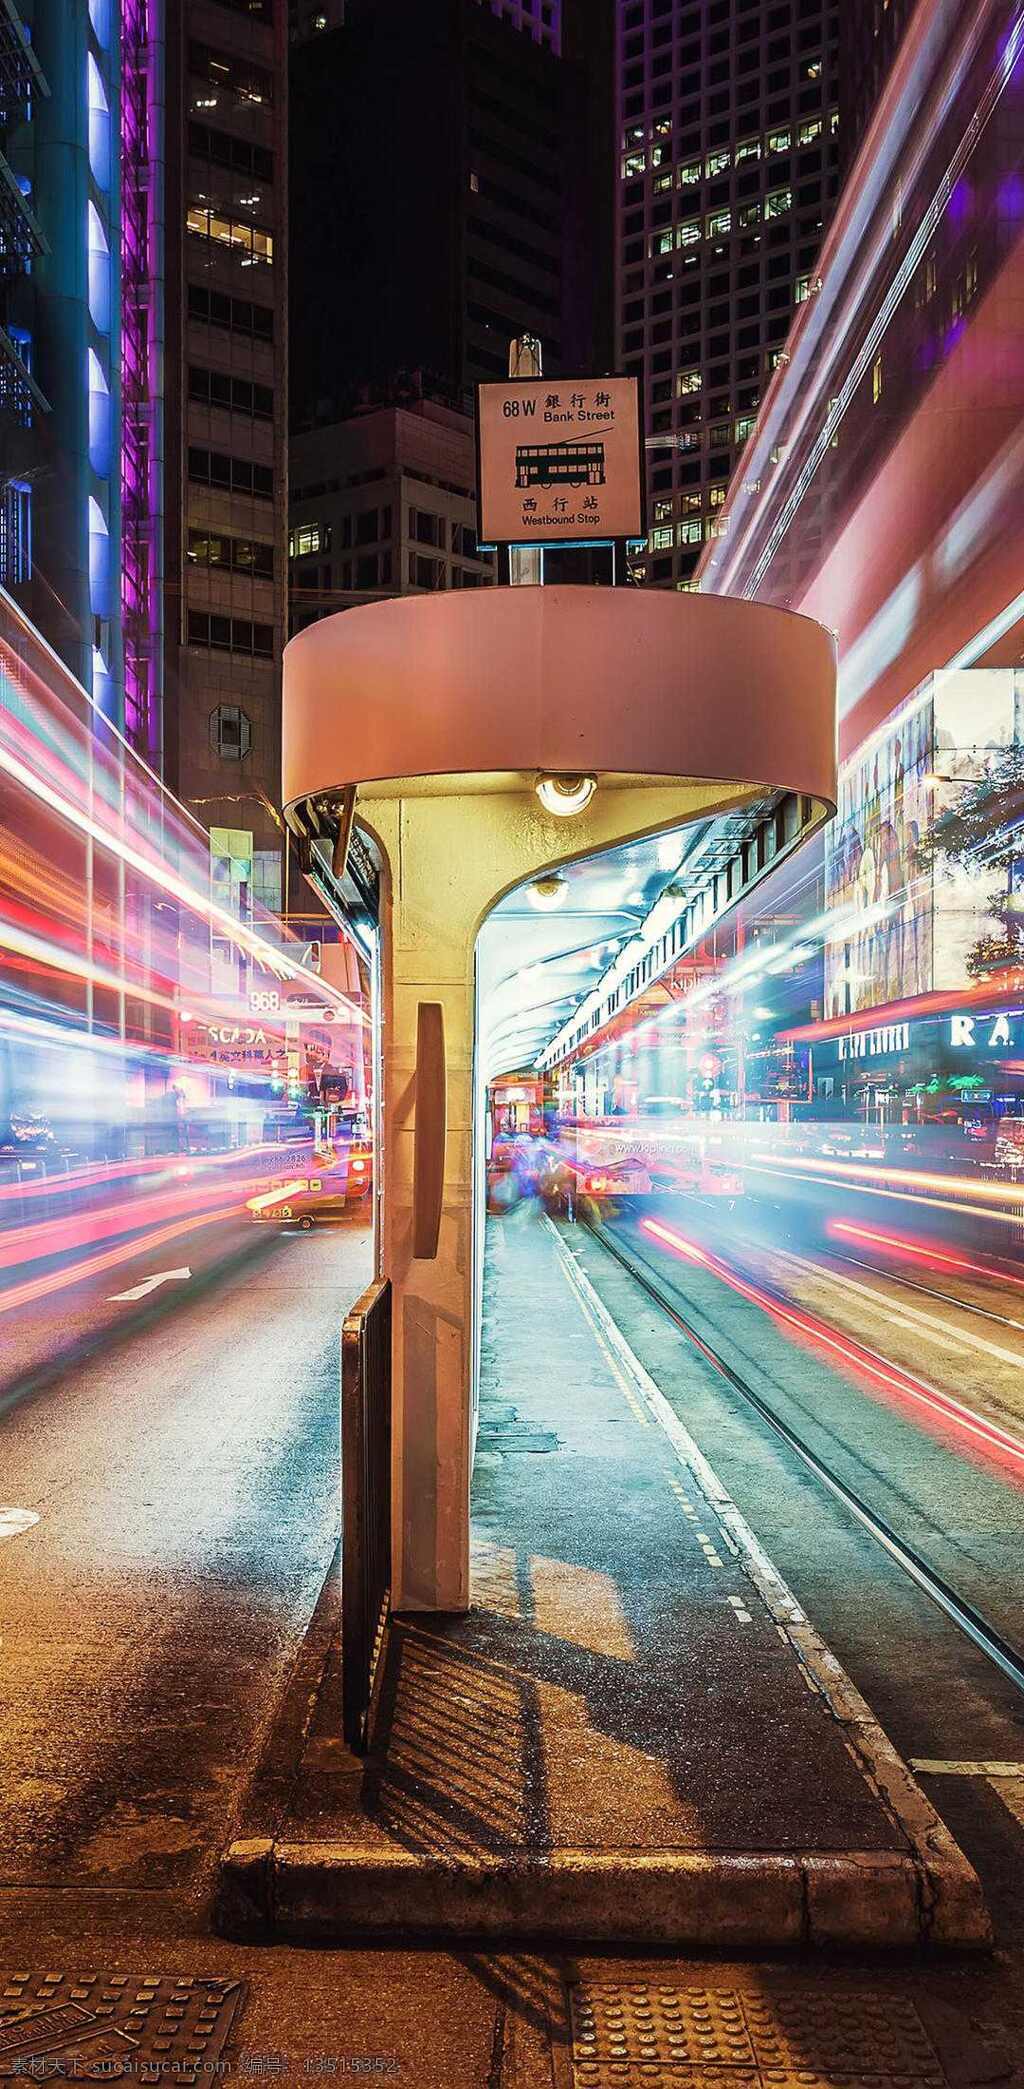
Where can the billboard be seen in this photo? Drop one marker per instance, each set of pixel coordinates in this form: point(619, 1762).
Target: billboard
point(900, 931)
point(559, 461)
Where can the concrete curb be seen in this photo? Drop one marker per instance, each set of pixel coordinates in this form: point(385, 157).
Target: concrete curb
point(302, 1892)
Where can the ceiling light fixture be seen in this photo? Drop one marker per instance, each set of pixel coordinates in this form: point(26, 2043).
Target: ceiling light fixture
point(565, 795)
point(547, 893)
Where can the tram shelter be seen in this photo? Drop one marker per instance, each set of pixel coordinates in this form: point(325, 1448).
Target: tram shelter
point(426, 726)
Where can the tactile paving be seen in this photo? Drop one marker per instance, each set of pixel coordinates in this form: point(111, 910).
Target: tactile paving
point(99, 2027)
point(786, 2036)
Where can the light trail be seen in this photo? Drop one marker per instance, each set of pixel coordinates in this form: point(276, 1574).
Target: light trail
point(1002, 1447)
point(248, 940)
point(935, 1258)
point(100, 1173)
point(840, 396)
point(79, 1272)
point(863, 1172)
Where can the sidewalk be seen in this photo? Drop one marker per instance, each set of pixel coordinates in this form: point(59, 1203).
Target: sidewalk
point(633, 1736)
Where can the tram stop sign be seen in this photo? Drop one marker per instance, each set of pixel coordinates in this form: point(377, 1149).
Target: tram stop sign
point(559, 461)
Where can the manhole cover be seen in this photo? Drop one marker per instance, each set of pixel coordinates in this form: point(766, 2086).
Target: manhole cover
point(648, 2033)
point(99, 2026)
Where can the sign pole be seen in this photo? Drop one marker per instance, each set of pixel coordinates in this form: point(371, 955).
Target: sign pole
point(525, 565)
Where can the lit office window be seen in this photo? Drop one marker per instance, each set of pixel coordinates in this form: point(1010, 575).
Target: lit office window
point(660, 540)
point(744, 426)
point(691, 531)
point(719, 222)
point(634, 163)
point(252, 244)
point(717, 162)
point(688, 177)
point(748, 149)
point(688, 234)
point(808, 132)
point(688, 381)
point(661, 242)
point(778, 202)
point(308, 537)
point(748, 215)
point(779, 141)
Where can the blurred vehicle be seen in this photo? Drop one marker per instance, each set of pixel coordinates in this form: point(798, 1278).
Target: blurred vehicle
point(328, 1182)
point(649, 1154)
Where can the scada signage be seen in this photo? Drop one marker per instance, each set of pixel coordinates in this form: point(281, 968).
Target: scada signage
point(559, 461)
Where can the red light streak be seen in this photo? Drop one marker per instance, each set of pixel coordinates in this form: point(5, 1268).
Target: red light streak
point(102, 1172)
point(986, 1436)
point(60, 1279)
point(934, 1257)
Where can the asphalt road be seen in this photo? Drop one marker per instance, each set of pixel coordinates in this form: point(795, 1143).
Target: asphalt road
point(180, 1451)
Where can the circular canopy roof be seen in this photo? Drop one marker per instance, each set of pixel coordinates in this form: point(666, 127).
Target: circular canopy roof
point(626, 681)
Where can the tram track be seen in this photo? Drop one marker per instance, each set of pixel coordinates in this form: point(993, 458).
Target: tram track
point(945, 1298)
point(970, 1621)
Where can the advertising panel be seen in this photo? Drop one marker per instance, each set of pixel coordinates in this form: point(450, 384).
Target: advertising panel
point(884, 949)
point(559, 461)
point(899, 930)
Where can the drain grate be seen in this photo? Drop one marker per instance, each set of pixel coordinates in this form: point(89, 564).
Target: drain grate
point(100, 2026)
point(645, 2034)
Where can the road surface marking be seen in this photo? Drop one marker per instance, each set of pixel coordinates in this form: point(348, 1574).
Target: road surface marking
point(148, 1284)
point(13, 1522)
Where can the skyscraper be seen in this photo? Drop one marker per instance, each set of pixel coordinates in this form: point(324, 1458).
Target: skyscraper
point(77, 377)
point(729, 145)
point(226, 422)
point(444, 196)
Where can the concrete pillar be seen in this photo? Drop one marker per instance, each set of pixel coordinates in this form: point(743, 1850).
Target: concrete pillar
point(449, 857)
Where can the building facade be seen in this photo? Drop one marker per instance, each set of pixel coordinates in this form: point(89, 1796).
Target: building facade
point(81, 141)
point(463, 146)
point(226, 425)
point(728, 135)
point(383, 503)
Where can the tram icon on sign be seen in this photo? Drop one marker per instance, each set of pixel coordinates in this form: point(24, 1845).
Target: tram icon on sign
point(560, 464)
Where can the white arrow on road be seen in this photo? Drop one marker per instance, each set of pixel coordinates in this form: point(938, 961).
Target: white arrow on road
point(14, 1521)
point(148, 1284)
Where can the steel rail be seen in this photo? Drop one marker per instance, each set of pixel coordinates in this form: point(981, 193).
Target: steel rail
point(970, 1621)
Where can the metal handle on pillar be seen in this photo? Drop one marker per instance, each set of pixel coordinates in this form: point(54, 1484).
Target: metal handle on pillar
point(431, 1130)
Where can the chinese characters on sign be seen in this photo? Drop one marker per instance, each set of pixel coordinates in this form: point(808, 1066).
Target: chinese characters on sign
point(559, 463)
